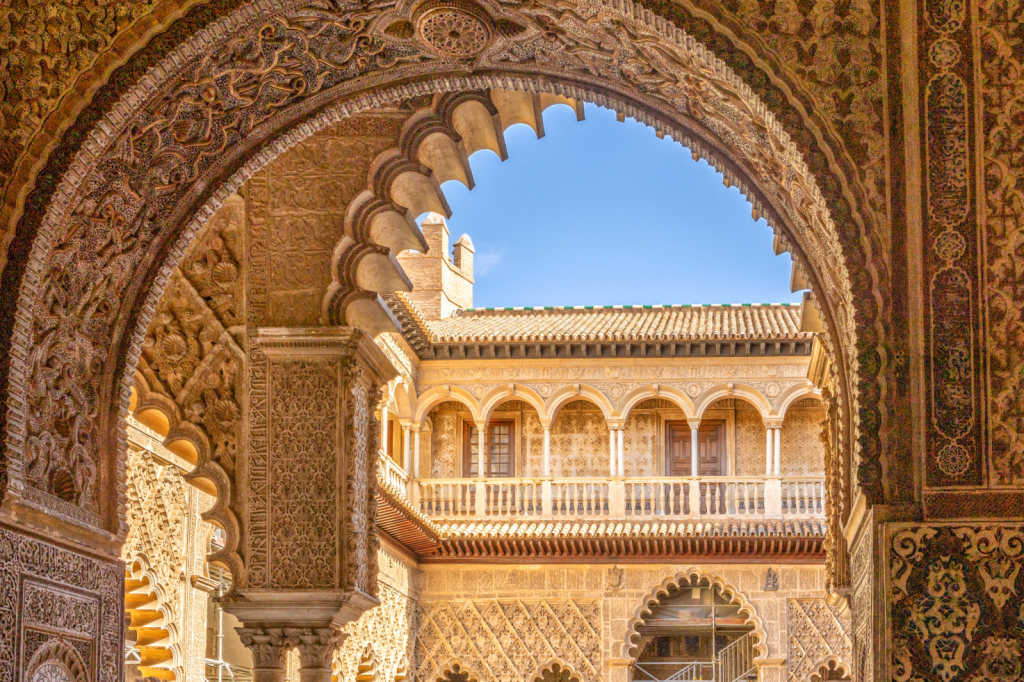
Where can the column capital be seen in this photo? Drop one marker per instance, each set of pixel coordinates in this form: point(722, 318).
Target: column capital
point(268, 646)
point(545, 424)
point(316, 645)
point(616, 424)
point(694, 422)
point(415, 426)
point(773, 422)
point(405, 423)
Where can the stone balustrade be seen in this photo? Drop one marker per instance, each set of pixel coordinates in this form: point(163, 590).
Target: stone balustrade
point(391, 473)
point(618, 498)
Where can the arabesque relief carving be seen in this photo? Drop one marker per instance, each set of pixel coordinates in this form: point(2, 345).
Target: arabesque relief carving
point(957, 614)
point(68, 613)
point(1001, 67)
point(508, 639)
point(818, 635)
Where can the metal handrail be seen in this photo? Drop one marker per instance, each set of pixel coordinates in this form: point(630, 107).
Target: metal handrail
point(734, 662)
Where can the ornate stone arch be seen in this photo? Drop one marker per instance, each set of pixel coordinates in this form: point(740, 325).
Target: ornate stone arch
point(831, 668)
point(179, 195)
point(439, 394)
point(192, 444)
point(139, 573)
point(670, 393)
point(682, 579)
point(405, 399)
point(454, 670)
point(742, 391)
point(500, 394)
point(56, 661)
point(567, 394)
point(555, 670)
point(794, 394)
point(366, 669)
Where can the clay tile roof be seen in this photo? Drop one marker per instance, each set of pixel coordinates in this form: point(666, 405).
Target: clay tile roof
point(737, 322)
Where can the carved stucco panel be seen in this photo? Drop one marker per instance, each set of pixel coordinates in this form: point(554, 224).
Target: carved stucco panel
point(508, 639)
point(1002, 92)
point(957, 611)
point(50, 595)
point(304, 429)
point(380, 642)
point(818, 636)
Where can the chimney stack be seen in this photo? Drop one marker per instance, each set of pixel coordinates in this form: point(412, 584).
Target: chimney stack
point(463, 257)
point(439, 286)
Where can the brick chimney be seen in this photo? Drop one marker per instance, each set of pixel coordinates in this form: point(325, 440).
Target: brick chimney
point(439, 286)
point(463, 255)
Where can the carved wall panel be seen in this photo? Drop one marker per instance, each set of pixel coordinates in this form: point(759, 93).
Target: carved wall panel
point(818, 636)
point(802, 451)
point(61, 613)
point(304, 472)
point(168, 542)
point(299, 207)
point(579, 442)
point(750, 442)
point(508, 640)
point(445, 457)
point(386, 631)
point(956, 604)
point(953, 313)
point(1000, 90)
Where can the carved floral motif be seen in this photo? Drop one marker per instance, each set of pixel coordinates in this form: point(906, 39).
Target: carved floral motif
point(957, 610)
point(1001, 91)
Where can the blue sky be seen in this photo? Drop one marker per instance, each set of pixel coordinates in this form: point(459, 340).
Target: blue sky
point(604, 213)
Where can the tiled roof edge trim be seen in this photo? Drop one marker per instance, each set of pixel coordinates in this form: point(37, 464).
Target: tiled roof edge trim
point(638, 307)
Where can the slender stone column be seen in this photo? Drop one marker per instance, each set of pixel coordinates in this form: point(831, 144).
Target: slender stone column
point(768, 450)
point(612, 457)
point(406, 449)
point(694, 449)
point(481, 487)
point(622, 451)
point(415, 473)
point(547, 448)
point(778, 447)
point(316, 650)
point(384, 428)
point(481, 455)
point(268, 647)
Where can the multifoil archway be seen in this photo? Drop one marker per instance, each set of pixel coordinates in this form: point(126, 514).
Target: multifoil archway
point(96, 255)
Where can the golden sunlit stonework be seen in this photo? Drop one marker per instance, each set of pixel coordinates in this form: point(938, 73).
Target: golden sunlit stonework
point(588, 417)
point(254, 427)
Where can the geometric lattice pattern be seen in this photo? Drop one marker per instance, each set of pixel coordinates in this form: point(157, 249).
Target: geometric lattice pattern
point(508, 640)
point(818, 635)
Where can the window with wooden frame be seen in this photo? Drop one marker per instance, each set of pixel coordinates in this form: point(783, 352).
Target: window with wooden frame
point(500, 446)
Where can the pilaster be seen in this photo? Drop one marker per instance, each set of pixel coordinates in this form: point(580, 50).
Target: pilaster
point(311, 542)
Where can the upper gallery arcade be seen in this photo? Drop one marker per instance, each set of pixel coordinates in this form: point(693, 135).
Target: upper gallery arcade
point(214, 317)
